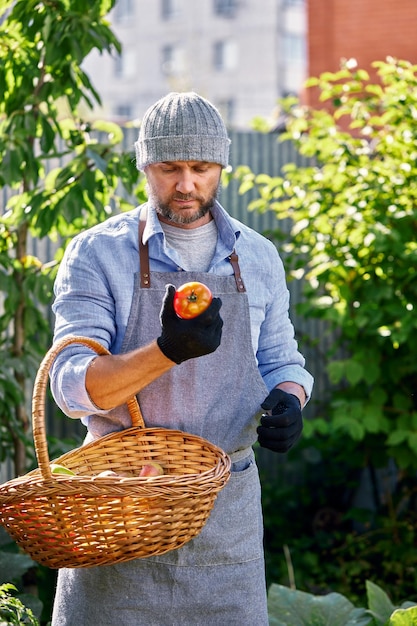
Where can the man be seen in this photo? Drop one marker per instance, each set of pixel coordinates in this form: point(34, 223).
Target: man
point(208, 376)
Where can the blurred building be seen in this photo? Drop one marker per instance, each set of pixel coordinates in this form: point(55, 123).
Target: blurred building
point(243, 55)
point(366, 30)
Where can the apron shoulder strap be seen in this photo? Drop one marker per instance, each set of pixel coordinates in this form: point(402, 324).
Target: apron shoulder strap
point(145, 275)
point(234, 260)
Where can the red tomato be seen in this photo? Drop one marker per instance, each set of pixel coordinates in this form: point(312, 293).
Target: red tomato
point(191, 299)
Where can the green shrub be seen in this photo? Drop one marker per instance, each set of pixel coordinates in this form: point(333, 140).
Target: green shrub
point(352, 245)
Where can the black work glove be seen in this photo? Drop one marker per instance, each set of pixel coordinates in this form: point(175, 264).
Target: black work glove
point(181, 339)
point(280, 430)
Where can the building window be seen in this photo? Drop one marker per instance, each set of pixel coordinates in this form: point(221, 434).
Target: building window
point(226, 8)
point(227, 109)
point(173, 59)
point(170, 9)
point(294, 48)
point(125, 64)
point(124, 10)
point(225, 55)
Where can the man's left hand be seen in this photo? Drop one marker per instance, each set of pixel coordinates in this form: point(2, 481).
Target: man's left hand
point(280, 429)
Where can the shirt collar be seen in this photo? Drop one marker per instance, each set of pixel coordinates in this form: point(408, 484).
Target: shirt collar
point(228, 228)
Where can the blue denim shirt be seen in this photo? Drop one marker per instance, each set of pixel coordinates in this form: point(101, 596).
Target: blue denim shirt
point(94, 290)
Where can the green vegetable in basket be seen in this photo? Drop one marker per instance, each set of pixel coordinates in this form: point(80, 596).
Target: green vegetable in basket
point(60, 469)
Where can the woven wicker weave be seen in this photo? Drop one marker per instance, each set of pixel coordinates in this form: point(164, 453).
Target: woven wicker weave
point(83, 520)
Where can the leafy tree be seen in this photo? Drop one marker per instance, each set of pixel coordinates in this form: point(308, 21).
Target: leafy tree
point(62, 174)
point(353, 245)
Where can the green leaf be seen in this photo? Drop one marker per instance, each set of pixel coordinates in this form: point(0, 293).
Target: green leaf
point(354, 371)
point(404, 617)
point(315, 426)
point(344, 421)
point(372, 419)
point(336, 371)
point(99, 162)
point(48, 135)
point(245, 186)
point(412, 442)
point(290, 607)
point(379, 603)
point(397, 437)
point(10, 167)
point(113, 131)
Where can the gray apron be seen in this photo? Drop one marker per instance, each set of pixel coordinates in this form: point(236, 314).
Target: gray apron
point(218, 577)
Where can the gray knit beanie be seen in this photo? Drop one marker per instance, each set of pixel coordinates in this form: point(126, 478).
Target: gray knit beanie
point(182, 127)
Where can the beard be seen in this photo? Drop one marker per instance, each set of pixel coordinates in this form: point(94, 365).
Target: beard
point(164, 209)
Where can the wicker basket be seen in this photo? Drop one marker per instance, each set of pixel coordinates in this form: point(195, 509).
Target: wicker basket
point(84, 520)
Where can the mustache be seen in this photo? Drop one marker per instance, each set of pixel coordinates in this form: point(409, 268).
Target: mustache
point(185, 196)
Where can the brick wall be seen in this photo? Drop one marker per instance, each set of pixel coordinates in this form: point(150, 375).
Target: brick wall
point(367, 30)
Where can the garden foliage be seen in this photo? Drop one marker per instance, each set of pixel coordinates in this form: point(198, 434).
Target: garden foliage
point(353, 246)
point(62, 175)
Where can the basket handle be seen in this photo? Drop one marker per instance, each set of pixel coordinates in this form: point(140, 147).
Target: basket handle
point(39, 395)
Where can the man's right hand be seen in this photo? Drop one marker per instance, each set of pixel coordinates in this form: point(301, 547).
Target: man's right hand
point(181, 339)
